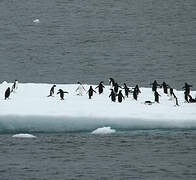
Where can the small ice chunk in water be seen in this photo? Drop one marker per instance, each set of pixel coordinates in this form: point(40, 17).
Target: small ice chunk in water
point(104, 130)
point(24, 136)
point(36, 21)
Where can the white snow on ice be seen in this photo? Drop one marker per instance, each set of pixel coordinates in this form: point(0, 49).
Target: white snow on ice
point(29, 108)
point(104, 130)
point(24, 136)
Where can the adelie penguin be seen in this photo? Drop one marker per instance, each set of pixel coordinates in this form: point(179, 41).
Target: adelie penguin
point(156, 96)
point(7, 93)
point(15, 86)
point(171, 93)
point(51, 91)
point(61, 92)
point(90, 92)
point(116, 86)
point(176, 99)
point(100, 87)
point(135, 92)
point(112, 95)
point(111, 82)
point(127, 90)
point(187, 88)
point(154, 86)
point(165, 87)
point(120, 96)
point(80, 89)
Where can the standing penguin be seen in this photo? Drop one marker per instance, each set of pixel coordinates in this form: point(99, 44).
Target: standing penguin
point(120, 96)
point(80, 89)
point(187, 88)
point(176, 99)
point(90, 92)
point(171, 92)
point(112, 95)
point(15, 86)
point(137, 89)
point(100, 86)
point(116, 86)
point(61, 92)
point(154, 86)
point(165, 86)
point(127, 90)
point(111, 82)
point(51, 91)
point(156, 95)
point(135, 94)
point(7, 93)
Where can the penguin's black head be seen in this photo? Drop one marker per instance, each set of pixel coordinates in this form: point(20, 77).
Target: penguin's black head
point(54, 85)
point(79, 82)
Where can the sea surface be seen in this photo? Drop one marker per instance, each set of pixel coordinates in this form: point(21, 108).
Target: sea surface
point(133, 41)
point(149, 155)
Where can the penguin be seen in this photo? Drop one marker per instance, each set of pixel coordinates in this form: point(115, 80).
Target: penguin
point(156, 95)
point(120, 96)
point(15, 86)
point(187, 87)
point(191, 100)
point(137, 89)
point(165, 86)
point(112, 95)
point(171, 93)
point(127, 90)
point(176, 99)
point(90, 92)
point(7, 93)
point(154, 85)
point(100, 86)
point(111, 82)
point(80, 89)
point(135, 92)
point(51, 91)
point(148, 102)
point(116, 86)
point(61, 92)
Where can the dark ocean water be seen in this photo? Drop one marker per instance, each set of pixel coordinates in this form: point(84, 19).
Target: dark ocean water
point(134, 41)
point(153, 155)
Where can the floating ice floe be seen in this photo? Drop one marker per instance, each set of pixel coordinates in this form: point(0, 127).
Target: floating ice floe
point(24, 136)
point(36, 20)
point(104, 130)
point(31, 110)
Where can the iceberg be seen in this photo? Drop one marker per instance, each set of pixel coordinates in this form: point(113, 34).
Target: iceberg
point(104, 130)
point(23, 136)
point(28, 109)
